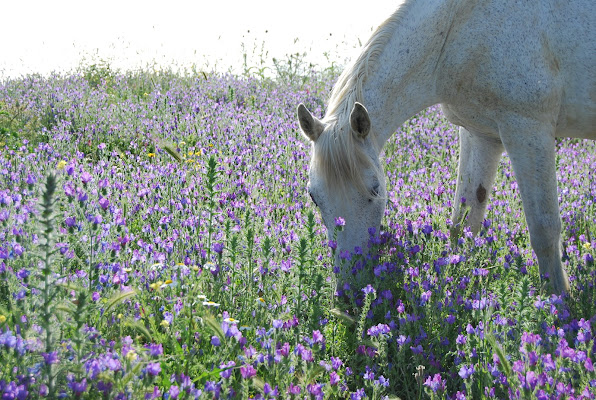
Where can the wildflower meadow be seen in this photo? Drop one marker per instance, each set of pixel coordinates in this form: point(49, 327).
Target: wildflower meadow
point(157, 242)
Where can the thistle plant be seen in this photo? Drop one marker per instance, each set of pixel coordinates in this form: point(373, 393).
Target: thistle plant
point(46, 280)
point(302, 266)
point(211, 180)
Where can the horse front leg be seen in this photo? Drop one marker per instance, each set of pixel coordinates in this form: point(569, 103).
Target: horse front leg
point(478, 161)
point(531, 147)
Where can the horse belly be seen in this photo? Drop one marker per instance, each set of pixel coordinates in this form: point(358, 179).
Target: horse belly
point(577, 121)
point(577, 115)
point(472, 119)
point(575, 64)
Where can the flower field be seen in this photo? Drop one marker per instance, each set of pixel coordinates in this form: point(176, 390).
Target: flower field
point(157, 241)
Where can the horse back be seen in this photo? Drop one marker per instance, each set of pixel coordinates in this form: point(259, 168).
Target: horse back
point(535, 59)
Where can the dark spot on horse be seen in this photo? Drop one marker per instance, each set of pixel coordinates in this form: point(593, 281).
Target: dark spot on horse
point(481, 193)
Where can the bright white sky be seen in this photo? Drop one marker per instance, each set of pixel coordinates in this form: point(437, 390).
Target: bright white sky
point(42, 36)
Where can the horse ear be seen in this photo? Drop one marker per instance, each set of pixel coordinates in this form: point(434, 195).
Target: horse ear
point(310, 125)
point(360, 121)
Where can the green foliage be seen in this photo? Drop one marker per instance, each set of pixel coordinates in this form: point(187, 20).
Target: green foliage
point(20, 124)
point(99, 74)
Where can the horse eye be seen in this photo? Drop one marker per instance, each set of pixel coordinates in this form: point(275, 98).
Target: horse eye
point(374, 192)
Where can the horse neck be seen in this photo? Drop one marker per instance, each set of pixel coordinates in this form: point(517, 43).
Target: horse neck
point(402, 80)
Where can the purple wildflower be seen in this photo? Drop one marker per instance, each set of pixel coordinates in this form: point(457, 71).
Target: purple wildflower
point(247, 371)
point(435, 383)
point(466, 371)
point(153, 368)
point(368, 289)
point(78, 387)
point(155, 350)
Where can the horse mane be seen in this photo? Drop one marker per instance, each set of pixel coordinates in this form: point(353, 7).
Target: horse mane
point(341, 157)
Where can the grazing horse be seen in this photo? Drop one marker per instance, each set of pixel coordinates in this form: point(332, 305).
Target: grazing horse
point(514, 75)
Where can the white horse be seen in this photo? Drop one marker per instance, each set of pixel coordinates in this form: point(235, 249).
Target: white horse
point(514, 75)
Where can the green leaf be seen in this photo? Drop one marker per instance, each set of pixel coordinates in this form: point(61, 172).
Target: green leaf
point(178, 348)
point(314, 372)
point(165, 382)
point(208, 375)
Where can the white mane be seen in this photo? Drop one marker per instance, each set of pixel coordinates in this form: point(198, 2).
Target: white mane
point(348, 88)
point(340, 156)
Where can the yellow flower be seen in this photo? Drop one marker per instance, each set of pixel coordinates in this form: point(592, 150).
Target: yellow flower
point(131, 355)
point(119, 316)
point(150, 154)
point(155, 285)
point(2, 319)
point(164, 323)
point(587, 246)
point(195, 267)
point(261, 301)
point(61, 164)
